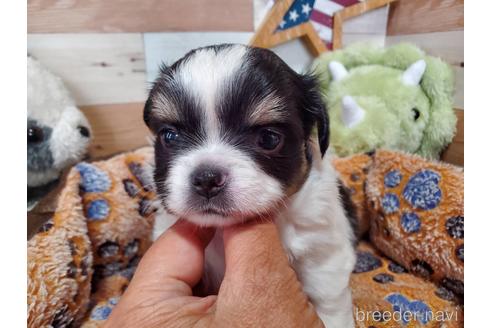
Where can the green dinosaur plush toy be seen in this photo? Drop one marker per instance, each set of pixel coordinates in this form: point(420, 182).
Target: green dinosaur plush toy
point(395, 98)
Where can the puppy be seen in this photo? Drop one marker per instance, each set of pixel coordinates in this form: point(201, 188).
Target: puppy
point(233, 128)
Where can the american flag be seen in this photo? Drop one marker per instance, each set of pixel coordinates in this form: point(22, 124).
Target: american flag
point(319, 12)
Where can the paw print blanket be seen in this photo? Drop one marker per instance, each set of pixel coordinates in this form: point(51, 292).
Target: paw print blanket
point(410, 257)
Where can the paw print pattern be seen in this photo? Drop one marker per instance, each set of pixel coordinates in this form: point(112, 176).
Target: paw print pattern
point(132, 248)
point(102, 312)
point(108, 249)
point(390, 203)
point(145, 207)
point(460, 252)
point(62, 317)
point(422, 268)
point(402, 304)
point(130, 187)
point(455, 227)
point(46, 226)
point(445, 294)
point(97, 209)
point(392, 179)
point(422, 190)
point(93, 179)
point(139, 173)
point(396, 268)
point(383, 278)
point(410, 222)
point(366, 261)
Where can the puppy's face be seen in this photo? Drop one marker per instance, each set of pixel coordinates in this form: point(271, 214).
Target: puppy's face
point(232, 125)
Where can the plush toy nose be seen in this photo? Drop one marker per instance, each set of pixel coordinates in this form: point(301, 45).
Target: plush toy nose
point(208, 182)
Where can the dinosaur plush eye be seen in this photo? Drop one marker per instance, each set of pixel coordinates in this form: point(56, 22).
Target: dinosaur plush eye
point(169, 136)
point(34, 134)
point(416, 113)
point(269, 140)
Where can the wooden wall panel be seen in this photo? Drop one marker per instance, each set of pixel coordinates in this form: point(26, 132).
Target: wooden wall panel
point(116, 128)
point(119, 128)
point(455, 153)
point(59, 16)
point(422, 16)
point(97, 68)
point(372, 22)
point(459, 87)
point(167, 47)
point(447, 45)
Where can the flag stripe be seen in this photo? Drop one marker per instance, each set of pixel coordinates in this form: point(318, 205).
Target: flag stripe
point(325, 33)
point(328, 7)
point(346, 3)
point(321, 18)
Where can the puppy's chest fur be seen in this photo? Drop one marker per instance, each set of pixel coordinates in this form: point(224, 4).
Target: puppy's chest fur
point(317, 238)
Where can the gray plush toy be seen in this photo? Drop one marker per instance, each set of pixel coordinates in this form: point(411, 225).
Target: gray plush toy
point(58, 134)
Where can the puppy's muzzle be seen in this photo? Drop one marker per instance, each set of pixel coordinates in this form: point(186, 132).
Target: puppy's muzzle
point(209, 181)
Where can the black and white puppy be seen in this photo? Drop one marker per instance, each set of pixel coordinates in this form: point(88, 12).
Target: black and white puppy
point(233, 128)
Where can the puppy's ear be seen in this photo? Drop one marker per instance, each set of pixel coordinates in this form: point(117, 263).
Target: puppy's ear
point(315, 111)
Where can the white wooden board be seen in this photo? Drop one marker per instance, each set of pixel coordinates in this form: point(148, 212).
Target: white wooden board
point(295, 54)
point(97, 68)
point(447, 45)
point(459, 87)
point(168, 47)
point(350, 38)
point(371, 22)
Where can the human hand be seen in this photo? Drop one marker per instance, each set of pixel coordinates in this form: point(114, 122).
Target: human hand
point(259, 289)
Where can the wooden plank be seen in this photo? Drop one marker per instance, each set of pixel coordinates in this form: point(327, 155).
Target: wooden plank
point(459, 87)
point(58, 16)
point(167, 47)
point(371, 22)
point(116, 128)
point(447, 45)
point(353, 11)
point(422, 16)
point(119, 128)
point(455, 152)
point(97, 68)
point(295, 54)
point(376, 39)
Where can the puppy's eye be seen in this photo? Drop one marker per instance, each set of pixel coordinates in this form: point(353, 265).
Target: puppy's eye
point(269, 140)
point(416, 113)
point(34, 134)
point(169, 136)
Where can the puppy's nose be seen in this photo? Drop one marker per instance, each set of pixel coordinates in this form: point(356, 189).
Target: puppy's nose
point(208, 182)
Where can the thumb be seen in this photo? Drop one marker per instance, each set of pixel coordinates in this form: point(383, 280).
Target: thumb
point(174, 263)
point(259, 280)
point(251, 246)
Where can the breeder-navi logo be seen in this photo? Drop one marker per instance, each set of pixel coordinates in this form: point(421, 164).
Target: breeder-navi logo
point(405, 310)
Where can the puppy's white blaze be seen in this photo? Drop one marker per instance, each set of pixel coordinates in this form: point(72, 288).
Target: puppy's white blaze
point(250, 190)
point(204, 73)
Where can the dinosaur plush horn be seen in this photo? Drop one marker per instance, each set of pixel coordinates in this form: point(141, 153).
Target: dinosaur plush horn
point(414, 73)
point(337, 70)
point(352, 113)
